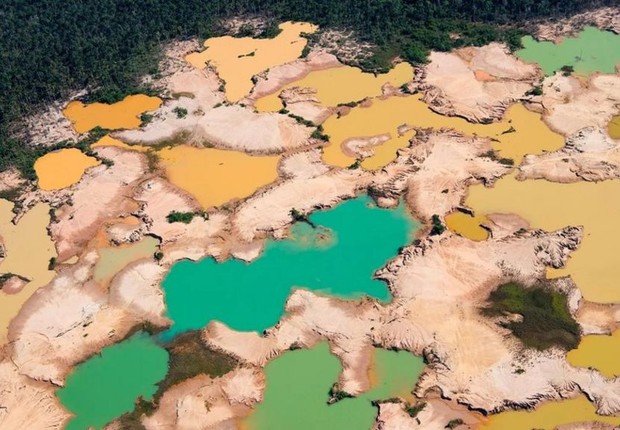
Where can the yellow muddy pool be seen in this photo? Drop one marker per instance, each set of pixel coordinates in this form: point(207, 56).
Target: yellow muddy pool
point(60, 169)
point(123, 114)
point(467, 226)
point(238, 59)
point(551, 206)
point(28, 252)
point(113, 259)
point(341, 85)
point(216, 176)
point(521, 132)
point(614, 127)
point(110, 141)
point(599, 352)
point(548, 416)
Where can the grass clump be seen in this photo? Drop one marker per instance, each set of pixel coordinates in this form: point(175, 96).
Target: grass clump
point(181, 112)
point(546, 321)
point(145, 118)
point(567, 70)
point(319, 134)
point(414, 410)
point(185, 217)
point(452, 424)
point(536, 91)
point(437, 227)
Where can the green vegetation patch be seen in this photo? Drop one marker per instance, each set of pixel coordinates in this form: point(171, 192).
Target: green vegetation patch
point(185, 217)
point(546, 321)
point(189, 357)
point(437, 227)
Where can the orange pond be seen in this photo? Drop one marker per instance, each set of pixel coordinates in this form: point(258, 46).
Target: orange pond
point(28, 252)
point(216, 176)
point(238, 59)
point(123, 114)
point(60, 169)
point(520, 132)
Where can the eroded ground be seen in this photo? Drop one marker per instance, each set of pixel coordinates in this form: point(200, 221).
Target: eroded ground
point(249, 139)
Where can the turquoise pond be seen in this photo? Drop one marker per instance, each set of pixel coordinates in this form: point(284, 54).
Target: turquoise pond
point(338, 257)
point(107, 385)
point(592, 50)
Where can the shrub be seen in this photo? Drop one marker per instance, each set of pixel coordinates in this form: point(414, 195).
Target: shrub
point(567, 70)
point(414, 410)
point(146, 118)
point(437, 227)
point(184, 217)
point(536, 91)
point(454, 423)
point(181, 112)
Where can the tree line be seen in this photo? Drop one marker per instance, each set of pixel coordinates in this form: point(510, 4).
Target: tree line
point(50, 48)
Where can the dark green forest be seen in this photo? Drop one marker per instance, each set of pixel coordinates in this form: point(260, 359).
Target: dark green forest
point(50, 47)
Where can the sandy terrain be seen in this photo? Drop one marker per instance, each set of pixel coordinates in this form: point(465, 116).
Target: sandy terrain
point(438, 284)
point(27, 404)
point(226, 127)
point(268, 213)
point(453, 86)
point(204, 403)
point(448, 163)
point(195, 240)
point(13, 284)
point(436, 414)
point(45, 343)
point(275, 78)
point(11, 179)
point(47, 127)
point(101, 194)
point(437, 287)
point(571, 104)
point(588, 155)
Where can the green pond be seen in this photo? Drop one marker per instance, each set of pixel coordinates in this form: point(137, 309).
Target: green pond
point(298, 384)
point(106, 386)
point(592, 50)
point(338, 257)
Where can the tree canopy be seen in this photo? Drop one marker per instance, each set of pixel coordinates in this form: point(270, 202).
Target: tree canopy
point(50, 48)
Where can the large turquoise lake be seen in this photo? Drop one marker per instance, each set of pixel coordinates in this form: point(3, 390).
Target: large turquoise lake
point(338, 257)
